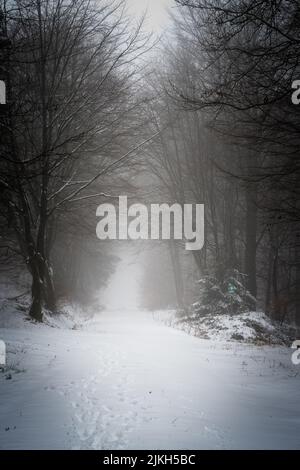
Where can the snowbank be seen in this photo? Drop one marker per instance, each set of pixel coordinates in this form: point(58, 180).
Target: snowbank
point(14, 314)
point(249, 327)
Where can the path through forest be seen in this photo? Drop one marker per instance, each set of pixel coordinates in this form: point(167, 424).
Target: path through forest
point(126, 381)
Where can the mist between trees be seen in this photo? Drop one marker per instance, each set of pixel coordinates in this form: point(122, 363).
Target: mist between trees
point(95, 109)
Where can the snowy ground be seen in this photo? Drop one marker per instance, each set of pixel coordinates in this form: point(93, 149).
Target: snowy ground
point(124, 380)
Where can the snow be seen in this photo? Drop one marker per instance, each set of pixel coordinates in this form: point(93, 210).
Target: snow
point(123, 380)
point(250, 327)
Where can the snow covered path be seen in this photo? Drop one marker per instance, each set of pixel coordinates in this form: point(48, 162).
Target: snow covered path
point(126, 381)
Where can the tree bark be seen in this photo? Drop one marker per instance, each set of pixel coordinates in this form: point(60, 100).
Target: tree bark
point(50, 297)
point(251, 230)
point(37, 291)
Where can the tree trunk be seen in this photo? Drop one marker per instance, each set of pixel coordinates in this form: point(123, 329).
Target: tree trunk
point(177, 275)
point(269, 284)
point(50, 297)
point(276, 301)
point(251, 229)
point(297, 290)
point(42, 288)
point(37, 289)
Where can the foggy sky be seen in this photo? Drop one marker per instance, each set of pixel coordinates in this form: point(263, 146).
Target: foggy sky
point(157, 13)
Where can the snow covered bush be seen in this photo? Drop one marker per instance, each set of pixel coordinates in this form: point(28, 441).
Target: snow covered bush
point(228, 296)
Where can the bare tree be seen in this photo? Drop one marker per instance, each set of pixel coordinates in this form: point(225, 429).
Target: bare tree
point(70, 72)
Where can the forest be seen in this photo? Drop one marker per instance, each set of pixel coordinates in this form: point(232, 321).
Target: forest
point(149, 225)
point(95, 108)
